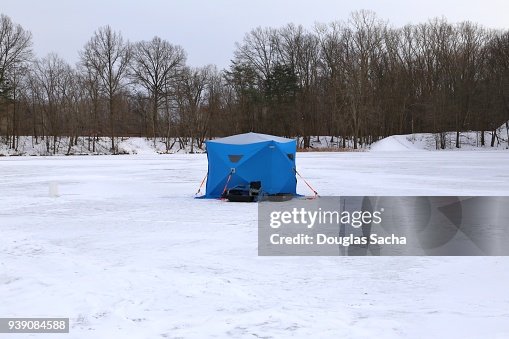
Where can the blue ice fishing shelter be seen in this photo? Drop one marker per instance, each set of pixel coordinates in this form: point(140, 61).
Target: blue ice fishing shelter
point(245, 158)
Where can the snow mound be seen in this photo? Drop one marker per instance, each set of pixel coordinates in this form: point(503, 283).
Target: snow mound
point(469, 141)
point(138, 146)
point(395, 143)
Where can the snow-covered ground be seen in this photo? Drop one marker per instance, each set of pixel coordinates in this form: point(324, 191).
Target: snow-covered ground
point(126, 252)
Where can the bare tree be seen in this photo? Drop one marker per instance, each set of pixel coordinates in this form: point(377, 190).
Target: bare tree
point(191, 98)
point(15, 50)
point(363, 46)
point(333, 80)
point(259, 49)
point(107, 55)
point(90, 83)
point(52, 78)
point(17, 87)
point(155, 64)
point(500, 80)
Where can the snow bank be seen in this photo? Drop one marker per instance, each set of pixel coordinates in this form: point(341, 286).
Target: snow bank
point(395, 143)
point(30, 146)
point(469, 141)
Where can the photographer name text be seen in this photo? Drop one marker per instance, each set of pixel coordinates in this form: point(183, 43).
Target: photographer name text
point(324, 239)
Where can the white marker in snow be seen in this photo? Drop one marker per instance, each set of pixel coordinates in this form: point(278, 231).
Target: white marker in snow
point(53, 189)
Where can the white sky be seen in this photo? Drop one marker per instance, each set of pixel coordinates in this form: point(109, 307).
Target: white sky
point(208, 29)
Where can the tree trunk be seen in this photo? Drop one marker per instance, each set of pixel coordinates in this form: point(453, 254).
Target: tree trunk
point(112, 126)
point(493, 137)
point(69, 146)
point(507, 129)
point(14, 124)
point(154, 116)
point(307, 141)
point(442, 141)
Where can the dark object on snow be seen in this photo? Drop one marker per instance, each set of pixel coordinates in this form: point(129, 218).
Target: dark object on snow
point(279, 197)
point(244, 193)
point(255, 187)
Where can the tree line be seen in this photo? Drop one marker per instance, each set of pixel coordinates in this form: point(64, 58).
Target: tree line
point(356, 80)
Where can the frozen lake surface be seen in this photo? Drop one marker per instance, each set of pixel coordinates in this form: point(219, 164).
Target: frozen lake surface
point(126, 252)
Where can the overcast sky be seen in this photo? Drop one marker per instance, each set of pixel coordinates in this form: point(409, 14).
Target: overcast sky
point(208, 29)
